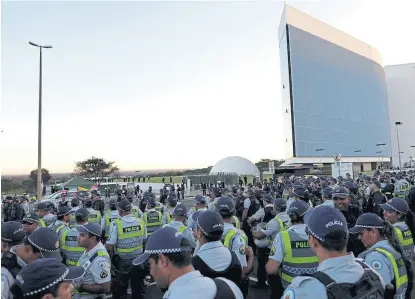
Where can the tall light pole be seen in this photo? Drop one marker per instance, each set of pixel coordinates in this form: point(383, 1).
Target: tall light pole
point(398, 123)
point(412, 158)
point(39, 141)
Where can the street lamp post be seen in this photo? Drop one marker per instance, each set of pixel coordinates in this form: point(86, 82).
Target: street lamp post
point(398, 123)
point(412, 159)
point(320, 150)
point(39, 141)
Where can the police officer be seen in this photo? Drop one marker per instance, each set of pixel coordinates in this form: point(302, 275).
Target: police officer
point(168, 249)
point(152, 219)
point(327, 234)
point(46, 218)
point(290, 250)
point(214, 194)
point(109, 216)
point(235, 240)
point(177, 222)
point(12, 234)
point(384, 254)
point(135, 211)
point(42, 243)
point(200, 205)
point(171, 204)
point(266, 236)
point(71, 250)
point(46, 278)
point(30, 223)
point(351, 213)
point(126, 241)
point(327, 197)
point(213, 259)
point(396, 212)
point(94, 216)
point(63, 218)
point(96, 262)
point(75, 207)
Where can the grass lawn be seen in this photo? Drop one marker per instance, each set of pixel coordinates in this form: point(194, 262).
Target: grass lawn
point(178, 179)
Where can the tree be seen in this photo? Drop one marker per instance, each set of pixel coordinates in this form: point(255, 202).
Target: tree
point(96, 169)
point(45, 175)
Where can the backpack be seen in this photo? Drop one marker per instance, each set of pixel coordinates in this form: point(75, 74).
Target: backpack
point(368, 286)
point(9, 261)
point(223, 290)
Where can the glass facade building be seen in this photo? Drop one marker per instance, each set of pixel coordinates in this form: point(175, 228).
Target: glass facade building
point(333, 97)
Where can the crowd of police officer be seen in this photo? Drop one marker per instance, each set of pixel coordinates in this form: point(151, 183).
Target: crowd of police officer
point(301, 230)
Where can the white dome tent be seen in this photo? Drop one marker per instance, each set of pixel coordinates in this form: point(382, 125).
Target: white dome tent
point(234, 165)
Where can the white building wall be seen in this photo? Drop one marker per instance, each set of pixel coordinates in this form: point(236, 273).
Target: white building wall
point(401, 96)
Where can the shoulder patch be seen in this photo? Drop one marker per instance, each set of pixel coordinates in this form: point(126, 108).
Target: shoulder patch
point(272, 252)
point(242, 250)
point(289, 294)
point(376, 265)
point(103, 274)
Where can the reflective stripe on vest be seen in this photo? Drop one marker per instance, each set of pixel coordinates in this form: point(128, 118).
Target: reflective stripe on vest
point(180, 230)
point(129, 233)
point(59, 228)
point(229, 236)
point(168, 217)
point(399, 270)
point(94, 217)
point(283, 226)
point(237, 222)
point(153, 225)
point(42, 222)
point(158, 207)
point(76, 250)
point(405, 240)
point(108, 221)
point(298, 259)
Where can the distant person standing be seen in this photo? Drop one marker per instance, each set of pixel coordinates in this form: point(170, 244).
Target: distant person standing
point(178, 192)
point(204, 188)
point(245, 180)
point(163, 179)
point(171, 180)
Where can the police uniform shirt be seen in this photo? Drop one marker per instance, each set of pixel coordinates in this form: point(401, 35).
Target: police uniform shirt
point(329, 203)
point(97, 273)
point(190, 222)
point(165, 217)
point(194, 285)
point(237, 244)
point(112, 215)
point(258, 214)
point(49, 218)
point(273, 227)
point(247, 203)
point(343, 269)
point(379, 262)
point(278, 248)
point(135, 209)
point(113, 239)
point(7, 279)
point(212, 204)
point(94, 212)
point(59, 223)
point(215, 255)
point(186, 233)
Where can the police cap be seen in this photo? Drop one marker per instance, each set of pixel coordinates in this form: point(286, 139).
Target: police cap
point(12, 232)
point(367, 220)
point(323, 220)
point(44, 274)
point(47, 241)
point(124, 205)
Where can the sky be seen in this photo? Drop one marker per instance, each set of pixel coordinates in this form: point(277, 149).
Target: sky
point(161, 85)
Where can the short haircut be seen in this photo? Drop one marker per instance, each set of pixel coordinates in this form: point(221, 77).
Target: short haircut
point(335, 241)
